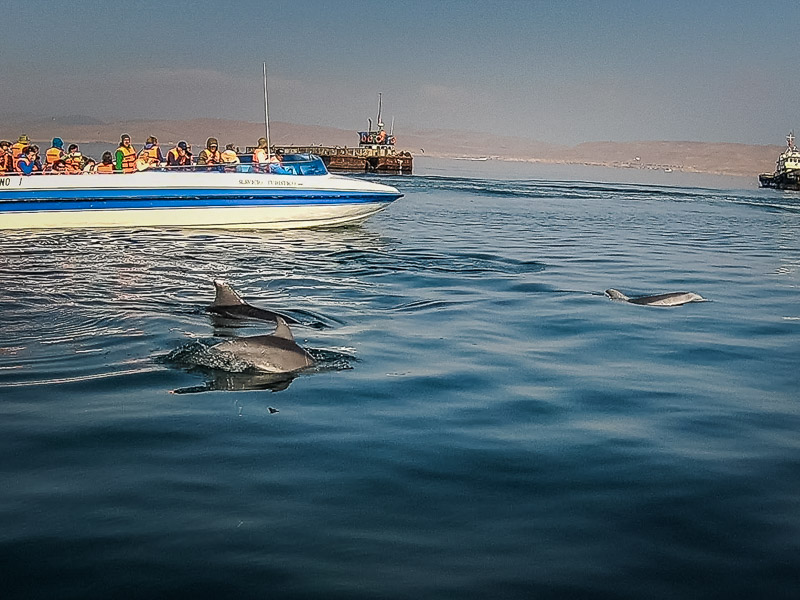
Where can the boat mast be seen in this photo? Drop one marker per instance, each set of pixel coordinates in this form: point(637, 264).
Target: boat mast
point(380, 123)
point(266, 112)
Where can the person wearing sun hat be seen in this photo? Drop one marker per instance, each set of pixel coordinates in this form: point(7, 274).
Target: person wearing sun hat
point(16, 149)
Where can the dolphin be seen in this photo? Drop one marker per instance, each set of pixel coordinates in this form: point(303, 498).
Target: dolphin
point(273, 353)
point(671, 299)
point(228, 303)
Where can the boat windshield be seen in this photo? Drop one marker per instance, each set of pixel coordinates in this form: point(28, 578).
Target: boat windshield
point(301, 164)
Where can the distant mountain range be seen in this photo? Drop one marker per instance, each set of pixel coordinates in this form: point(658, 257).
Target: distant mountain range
point(704, 157)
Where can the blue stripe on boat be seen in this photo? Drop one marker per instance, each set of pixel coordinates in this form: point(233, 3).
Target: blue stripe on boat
point(55, 200)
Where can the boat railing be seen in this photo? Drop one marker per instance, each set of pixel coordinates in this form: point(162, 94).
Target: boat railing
point(292, 164)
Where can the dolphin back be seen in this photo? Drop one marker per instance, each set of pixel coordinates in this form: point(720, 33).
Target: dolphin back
point(671, 299)
point(267, 353)
point(274, 353)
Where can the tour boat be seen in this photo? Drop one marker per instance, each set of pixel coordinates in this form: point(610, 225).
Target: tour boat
point(301, 194)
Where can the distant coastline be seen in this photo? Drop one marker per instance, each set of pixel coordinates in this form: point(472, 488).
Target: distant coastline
point(690, 157)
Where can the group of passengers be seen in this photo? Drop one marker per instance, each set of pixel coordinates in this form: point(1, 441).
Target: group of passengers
point(24, 158)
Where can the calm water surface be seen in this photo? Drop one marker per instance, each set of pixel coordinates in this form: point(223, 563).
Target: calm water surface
point(484, 423)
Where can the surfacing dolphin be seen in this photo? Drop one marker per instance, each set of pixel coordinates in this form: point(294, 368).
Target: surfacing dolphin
point(228, 303)
point(671, 299)
point(274, 353)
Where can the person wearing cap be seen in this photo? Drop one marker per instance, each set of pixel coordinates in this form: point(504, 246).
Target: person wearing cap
point(6, 160)
point(210, 155)
point(22, 143)
point(125, 156)
point(54, 153)
point(179, 156)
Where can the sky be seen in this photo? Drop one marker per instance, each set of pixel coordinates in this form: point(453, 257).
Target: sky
point(562, 72)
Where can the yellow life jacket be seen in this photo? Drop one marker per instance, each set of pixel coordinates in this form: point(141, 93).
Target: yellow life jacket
point(52, 155)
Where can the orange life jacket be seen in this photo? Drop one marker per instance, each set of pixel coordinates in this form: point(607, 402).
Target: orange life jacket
point(16, 149)
point(104, 168)
point(259, 159)
point(6, 162)
point(52, 155)
point(128, 159)
point(74, 162)
point(151, 154)
point(209, 157)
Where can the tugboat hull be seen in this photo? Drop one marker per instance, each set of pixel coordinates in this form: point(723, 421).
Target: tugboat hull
point(780, 181)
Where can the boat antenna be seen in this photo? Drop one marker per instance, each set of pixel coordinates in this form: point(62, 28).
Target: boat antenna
point(391, 129)
point(266, 112)
point(380, 124)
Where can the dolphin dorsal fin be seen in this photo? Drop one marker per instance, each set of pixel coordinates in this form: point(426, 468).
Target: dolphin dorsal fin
point(225, 295)
point(282, 330)
point(616, 295)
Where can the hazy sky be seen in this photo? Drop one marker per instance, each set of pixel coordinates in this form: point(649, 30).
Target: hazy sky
point(562, 71)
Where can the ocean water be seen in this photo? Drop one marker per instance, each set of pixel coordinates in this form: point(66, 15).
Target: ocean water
point(483, 421)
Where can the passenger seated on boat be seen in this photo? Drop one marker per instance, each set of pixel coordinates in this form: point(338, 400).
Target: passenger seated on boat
point(26, 163)
point(74, 159)
point(276, 164)
point(229, 155)
point(179, 156)
point(20, 145)
point(260, 156)
point(54, 153)
point(210, 156)
point(89, 164)
point(107, 164)
point(149, 156)
point(38, 163)
point(6, 160)
point(59, 167)
point(125, 156)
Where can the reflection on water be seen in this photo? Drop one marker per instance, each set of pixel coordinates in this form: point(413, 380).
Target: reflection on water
point(240, 382)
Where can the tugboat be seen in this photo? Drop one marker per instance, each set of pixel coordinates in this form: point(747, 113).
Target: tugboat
point(787, 169)
point(375, 153)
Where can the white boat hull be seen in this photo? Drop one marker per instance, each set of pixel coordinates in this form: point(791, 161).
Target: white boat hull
point(195, 200)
